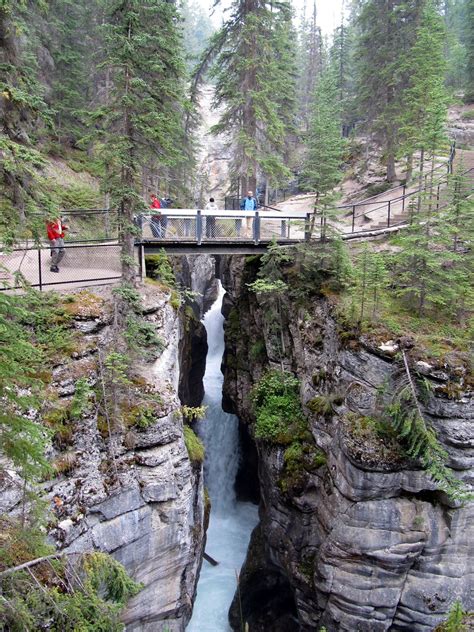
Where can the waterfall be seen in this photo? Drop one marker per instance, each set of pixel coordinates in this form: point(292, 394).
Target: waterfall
point(231, 522)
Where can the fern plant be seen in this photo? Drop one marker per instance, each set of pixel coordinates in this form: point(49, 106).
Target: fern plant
point(419, 438)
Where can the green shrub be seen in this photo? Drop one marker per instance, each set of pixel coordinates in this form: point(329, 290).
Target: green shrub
point(159, 267)
point(454, 622)
point(257, 350)
point(278, 413)
point(377, 188)
point(301, 457)
point(141, 335)
point(194, 445)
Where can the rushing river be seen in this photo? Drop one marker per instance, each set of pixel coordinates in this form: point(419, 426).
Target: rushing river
point(231, 522)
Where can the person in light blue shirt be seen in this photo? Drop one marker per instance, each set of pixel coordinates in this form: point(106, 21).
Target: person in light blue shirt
point(248, 203)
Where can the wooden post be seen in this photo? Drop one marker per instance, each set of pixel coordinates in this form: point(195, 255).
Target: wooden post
point(388, 214)
point(353, 217)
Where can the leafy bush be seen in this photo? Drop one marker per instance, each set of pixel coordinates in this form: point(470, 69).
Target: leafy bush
point(159, 267)
point(141, 335)
point(278, 412)
point(257, 350)
point(44, 597)
point(301, 457)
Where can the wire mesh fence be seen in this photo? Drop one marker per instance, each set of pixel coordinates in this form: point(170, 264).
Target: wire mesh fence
point(78, 265)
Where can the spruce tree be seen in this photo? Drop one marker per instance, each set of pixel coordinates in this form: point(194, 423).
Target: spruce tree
point(386, 32)
point(23, 109)
point(469, 38)
point(143, 117)
point(312, 62)
point(322, 169)
point(422, 119)
point(74, 46)
point(252, 77)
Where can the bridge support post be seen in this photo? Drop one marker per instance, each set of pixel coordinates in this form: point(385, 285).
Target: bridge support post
point(307, 227)
point(199, 226)
point(40, 273)
point(256, 227)
point(388, 214)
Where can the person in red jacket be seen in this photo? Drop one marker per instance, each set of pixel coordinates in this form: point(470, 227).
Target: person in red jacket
point(56, 232)
point(158, 221)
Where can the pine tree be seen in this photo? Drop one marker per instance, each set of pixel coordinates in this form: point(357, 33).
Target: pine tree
point(312, 62)
point(371, 279)
point(74, 43)
point(341, 60)
point(422, 119)
point(143, 117)
point(469, 38)
point(324, 149)
point(251, 78)
point(387, 31)
point(23, 109)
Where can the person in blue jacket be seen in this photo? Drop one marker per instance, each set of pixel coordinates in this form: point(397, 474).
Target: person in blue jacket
point(248, 203)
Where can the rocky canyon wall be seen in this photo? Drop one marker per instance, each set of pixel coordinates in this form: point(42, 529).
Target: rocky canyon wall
point(363, 541)
point(130, 489)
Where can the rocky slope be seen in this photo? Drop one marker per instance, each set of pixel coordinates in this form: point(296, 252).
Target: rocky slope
point(128, 489)
point(365, 541)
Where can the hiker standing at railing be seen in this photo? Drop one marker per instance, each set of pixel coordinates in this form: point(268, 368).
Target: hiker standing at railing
point(158, 221)
point(56, 230)
point(249, 203)
point(210, 219)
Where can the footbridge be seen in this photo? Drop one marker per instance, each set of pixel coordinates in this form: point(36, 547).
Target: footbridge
point(92, 249)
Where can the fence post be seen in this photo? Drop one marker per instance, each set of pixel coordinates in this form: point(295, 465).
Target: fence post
point(307, 231)
point(388, 214)
point(403, 197)
point(199, 227)
point(353, 217)
point(256, 227)
point(437, 197)
point(40, 275)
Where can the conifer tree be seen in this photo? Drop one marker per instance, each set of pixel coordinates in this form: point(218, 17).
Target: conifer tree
point(322, 170)
point(422, 118)
point(23, 109)
point(469, 37)
point(143, 118)
point(74, 43)
point(387, 31)
point(341, 60)
point(251, 78)
point(312, 62)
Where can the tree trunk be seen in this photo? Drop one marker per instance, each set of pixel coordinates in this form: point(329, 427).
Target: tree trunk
point(409, 168)
point(420, 179)
point(391, 173)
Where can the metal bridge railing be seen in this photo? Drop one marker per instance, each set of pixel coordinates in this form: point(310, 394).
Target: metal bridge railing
point(194, 225)
point(89, 264)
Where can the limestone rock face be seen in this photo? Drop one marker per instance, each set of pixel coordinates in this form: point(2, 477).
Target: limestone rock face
point(134, 493)
point(367, 542)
